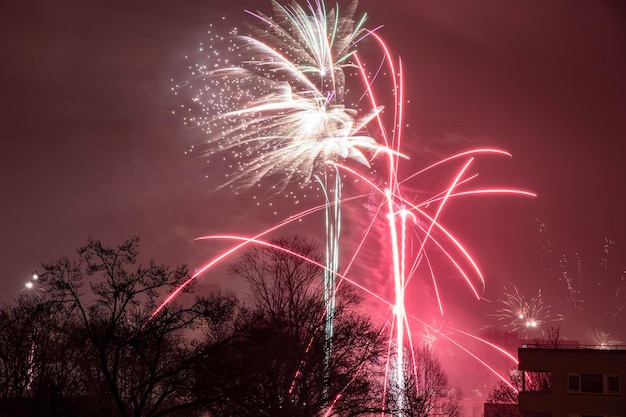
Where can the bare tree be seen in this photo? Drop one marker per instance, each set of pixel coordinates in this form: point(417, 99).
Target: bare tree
point(503, 400)
point(135, 364)
point(427, 391)
point(553, 336)
point(39, 374)
point(276, 365)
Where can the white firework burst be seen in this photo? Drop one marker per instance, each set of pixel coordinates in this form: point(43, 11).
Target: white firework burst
point(278, 107)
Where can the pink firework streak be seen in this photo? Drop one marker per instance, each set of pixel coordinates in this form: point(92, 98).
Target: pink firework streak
point(414, 230)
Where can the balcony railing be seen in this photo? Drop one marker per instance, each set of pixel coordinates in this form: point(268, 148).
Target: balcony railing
point(565, 345)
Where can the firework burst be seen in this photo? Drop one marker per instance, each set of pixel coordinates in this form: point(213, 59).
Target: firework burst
point(281, 106)
point(287, 118)
point(522, 314)
point(277, 103)
point(601, 339)
point(588, 284)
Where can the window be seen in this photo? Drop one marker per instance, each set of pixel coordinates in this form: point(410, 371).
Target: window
point(537, 381)
point(573, 383)
point(593, 383)
point(613, 384)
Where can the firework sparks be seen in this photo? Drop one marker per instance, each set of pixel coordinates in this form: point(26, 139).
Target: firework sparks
point(277, 105)
point(587, 280)
point(280, 105)
point(288, 116)
point(602, 339)
point(521, 314)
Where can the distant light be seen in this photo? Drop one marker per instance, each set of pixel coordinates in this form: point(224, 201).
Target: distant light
point(35, 277)
point(29, 285)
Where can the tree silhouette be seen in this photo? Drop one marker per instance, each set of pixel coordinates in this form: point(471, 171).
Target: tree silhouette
point(503, 400)
point(39, 372)
point(134, 364)
point(276, 365)
point(428, 391)
point(90, 343)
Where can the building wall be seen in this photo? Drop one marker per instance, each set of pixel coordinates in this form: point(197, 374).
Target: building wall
point(559, 400)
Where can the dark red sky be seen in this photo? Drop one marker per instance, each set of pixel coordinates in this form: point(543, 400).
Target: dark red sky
point(90, 147)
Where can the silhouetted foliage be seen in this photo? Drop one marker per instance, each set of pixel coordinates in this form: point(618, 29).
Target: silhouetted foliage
point(503, 400)
point(39, 360)
point(276, 364)
point(428, 391)
point(130, 363)
point(90, 344)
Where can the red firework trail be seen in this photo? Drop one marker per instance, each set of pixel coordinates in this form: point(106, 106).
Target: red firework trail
point(407, 221)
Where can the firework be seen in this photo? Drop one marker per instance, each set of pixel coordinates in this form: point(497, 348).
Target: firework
point(601, 339)
point(277, 104)
point(280, 107)
point(593, 286)
point(521, 314)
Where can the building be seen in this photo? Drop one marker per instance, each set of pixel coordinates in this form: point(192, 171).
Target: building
point(572, 381)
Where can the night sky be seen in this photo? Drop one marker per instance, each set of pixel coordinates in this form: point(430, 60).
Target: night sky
point(91, 147)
